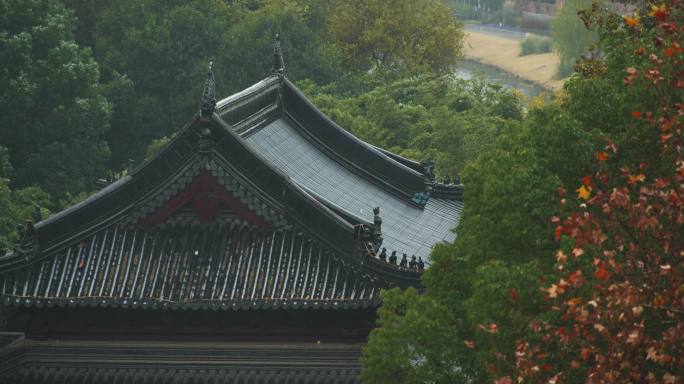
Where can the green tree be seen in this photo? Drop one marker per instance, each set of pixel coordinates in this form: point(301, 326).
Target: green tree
point(485, 281)
point(395, 37)
point(16, 206)
point(415, 342)
point(154, 56)
point(53, 113)
point(616, 309)
point(450, 120)
point(570, 35)
point(507, 247)
point(303, 43)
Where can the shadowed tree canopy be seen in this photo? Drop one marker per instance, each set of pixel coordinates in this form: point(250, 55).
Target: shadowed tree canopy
point(53, 114)
point(154, 55)
point(303, 42)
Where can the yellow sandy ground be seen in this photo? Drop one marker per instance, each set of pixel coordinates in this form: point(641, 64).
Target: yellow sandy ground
point(504, 53)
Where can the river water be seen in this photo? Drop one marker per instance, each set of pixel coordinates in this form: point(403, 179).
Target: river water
point(468, 69)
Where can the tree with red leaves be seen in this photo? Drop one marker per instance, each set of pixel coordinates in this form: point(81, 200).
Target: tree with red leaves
point(616, 310)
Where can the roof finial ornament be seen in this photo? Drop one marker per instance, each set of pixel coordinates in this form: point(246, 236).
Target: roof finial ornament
point(208, 94)
point(25, 244)
point(377, 229)
point(37, 215)
point(278, 62)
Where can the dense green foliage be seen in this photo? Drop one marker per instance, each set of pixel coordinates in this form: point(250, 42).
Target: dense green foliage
point(571, 36)
point(446, 119)
point(153, 53)
point(53, 112)
point(395, 37)
point(16, 206)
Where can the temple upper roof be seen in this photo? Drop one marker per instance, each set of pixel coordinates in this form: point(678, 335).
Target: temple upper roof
point(260, 200)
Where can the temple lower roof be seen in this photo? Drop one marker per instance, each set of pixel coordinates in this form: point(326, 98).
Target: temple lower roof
point(81, 361)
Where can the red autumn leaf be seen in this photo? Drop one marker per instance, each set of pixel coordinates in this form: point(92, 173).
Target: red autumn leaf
point(513, 294)
point(601, 156)
point(575, 278)
point(585, 353)
point(586, 180)
point(661, 183)
point(601, 273)
point(659, 12)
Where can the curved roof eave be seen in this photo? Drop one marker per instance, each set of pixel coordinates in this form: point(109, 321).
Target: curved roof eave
point(350, 148)
point(401, 175)
point(66, 225)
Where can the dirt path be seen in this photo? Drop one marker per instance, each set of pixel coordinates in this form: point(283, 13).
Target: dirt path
point(504, 53)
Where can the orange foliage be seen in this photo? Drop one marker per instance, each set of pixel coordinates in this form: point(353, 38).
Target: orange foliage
point(622, 320)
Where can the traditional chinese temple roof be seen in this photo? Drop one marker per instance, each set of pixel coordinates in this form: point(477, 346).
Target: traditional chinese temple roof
point(260, 201)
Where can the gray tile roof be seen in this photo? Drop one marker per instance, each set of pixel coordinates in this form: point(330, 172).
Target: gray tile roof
point(406, 227)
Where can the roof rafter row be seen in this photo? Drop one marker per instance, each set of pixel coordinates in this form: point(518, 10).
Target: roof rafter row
point(217, 267)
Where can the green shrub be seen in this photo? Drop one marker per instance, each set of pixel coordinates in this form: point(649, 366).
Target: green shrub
point(535, 44)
